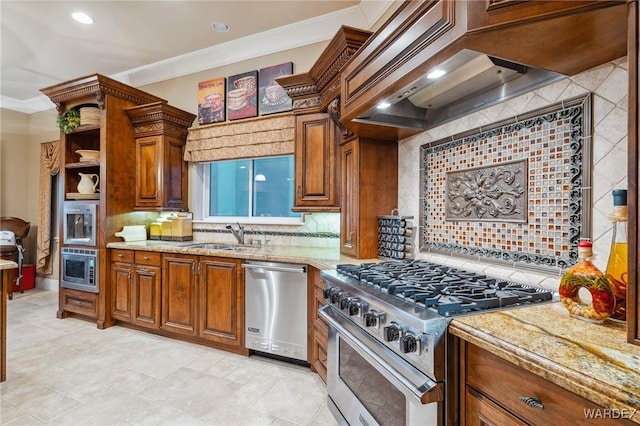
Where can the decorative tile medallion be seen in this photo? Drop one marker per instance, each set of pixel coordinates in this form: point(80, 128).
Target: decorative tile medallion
point(549, 150)
point(488, 193)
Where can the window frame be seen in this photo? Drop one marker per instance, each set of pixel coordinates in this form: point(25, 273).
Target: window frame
point(202, 194)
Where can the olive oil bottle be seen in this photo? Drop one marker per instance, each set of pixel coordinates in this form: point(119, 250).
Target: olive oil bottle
point(617, 266)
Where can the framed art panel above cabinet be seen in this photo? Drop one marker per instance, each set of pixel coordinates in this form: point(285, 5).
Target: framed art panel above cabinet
point(161, 172)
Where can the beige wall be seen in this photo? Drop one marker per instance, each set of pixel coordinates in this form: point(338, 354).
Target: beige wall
point(21, 135)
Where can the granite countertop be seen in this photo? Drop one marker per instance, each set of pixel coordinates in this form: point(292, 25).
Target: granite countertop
point(320, 258)
point(591, 360)
point(7, 264)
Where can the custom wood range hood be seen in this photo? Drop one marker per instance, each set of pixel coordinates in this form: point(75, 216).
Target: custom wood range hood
point(491, 50)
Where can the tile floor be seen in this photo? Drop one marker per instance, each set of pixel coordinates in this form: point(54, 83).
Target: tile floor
point(67, 372)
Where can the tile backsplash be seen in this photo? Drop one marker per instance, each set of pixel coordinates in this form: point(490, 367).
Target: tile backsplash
point(320, 230)
point(608, 85)
point(513, 191)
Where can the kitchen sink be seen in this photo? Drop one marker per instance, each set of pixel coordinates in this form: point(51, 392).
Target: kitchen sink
point(213, 246)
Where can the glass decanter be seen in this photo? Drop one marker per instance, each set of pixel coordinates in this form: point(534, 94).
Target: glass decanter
point(586, 275)
point(617, 266)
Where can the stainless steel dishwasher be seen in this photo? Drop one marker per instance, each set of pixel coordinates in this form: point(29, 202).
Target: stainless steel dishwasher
point(275, 312)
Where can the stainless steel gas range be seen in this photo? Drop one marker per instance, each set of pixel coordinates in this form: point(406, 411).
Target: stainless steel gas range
point(389, 360)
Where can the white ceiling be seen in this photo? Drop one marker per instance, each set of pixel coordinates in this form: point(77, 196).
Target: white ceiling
point(146, 41)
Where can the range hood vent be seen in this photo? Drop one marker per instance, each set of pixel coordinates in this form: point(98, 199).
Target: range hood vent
point(473, 81)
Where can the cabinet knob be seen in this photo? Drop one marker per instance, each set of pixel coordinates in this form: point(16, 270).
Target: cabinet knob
point(532, 402)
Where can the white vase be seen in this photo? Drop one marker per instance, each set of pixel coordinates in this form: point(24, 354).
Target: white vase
point(87, 185)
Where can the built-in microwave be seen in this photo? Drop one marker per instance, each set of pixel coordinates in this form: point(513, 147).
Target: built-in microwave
point(80, 269)
point(79, 223)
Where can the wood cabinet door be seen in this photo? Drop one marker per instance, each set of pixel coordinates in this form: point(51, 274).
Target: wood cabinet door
point(145, 299)
point(315, 170)
point(221, 301)
point(482, 412)
point(179, 293)
point(174, 192)
point(349, 159)
point(121, 279)
point(148, 171)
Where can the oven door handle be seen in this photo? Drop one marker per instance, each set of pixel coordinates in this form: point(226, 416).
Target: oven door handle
point(423, 387)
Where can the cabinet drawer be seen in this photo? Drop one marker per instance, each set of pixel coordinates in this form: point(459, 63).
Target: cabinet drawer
point(318, 302)
point(125, 256)
point(504, 383)
point(80, 302)
point(320, 358)
point(148, 258)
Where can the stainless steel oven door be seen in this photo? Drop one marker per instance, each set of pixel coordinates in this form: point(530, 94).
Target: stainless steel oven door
point(369, 384)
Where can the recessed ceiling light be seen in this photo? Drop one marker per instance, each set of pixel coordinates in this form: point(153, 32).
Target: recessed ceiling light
point(436, 74)
point(220, 27)
point(82, 17)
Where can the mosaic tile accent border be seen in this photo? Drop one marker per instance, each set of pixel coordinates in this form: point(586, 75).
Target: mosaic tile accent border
point(556, 143)
point(272, 233)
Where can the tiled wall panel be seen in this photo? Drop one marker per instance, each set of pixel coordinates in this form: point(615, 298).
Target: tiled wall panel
point(608, 84)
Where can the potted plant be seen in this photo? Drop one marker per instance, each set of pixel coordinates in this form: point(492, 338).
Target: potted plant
point(69, 120)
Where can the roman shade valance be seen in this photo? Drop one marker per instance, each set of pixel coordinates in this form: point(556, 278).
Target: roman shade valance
point(253, 137)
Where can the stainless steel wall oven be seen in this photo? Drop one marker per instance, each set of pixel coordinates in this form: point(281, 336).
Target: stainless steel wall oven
point(80, 269)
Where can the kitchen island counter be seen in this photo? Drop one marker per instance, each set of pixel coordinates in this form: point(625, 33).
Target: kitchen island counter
point(591, 360)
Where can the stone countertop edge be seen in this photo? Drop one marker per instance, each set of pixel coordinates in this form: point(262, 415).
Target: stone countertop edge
point(7, 264)
point(590, 360)
point(319, 258)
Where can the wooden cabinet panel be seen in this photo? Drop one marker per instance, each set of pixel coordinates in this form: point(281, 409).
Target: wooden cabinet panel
point(221, 301)
point(145, 300)
point(175, 173)
point(121, 287)
point(136, 287)
point(315, 170)
point(349, 194)
point(494, 388)
point(317, 326)
point(148, 258)
point(633, 148)
point(369, 188)
point(179, 294)
point(161, 172)
point(79, 302)
point(148, 178)
point(483, 412)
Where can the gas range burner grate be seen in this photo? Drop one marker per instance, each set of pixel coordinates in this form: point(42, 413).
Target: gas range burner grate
point(446, 290)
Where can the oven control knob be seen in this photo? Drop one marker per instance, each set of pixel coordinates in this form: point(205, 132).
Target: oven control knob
point(345, 298)
point(392, 332)
point(356, 307)
point(335, 296)
point(326, 293)
point(409, 343)
point(373, 318)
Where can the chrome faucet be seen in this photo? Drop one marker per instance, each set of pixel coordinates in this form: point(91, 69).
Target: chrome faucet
point(239, 234)
point(264, 237)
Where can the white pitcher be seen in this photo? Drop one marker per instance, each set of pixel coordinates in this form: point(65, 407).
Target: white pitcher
point(86, 185)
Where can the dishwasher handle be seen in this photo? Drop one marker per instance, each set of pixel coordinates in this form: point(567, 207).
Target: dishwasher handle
point(300, 270)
